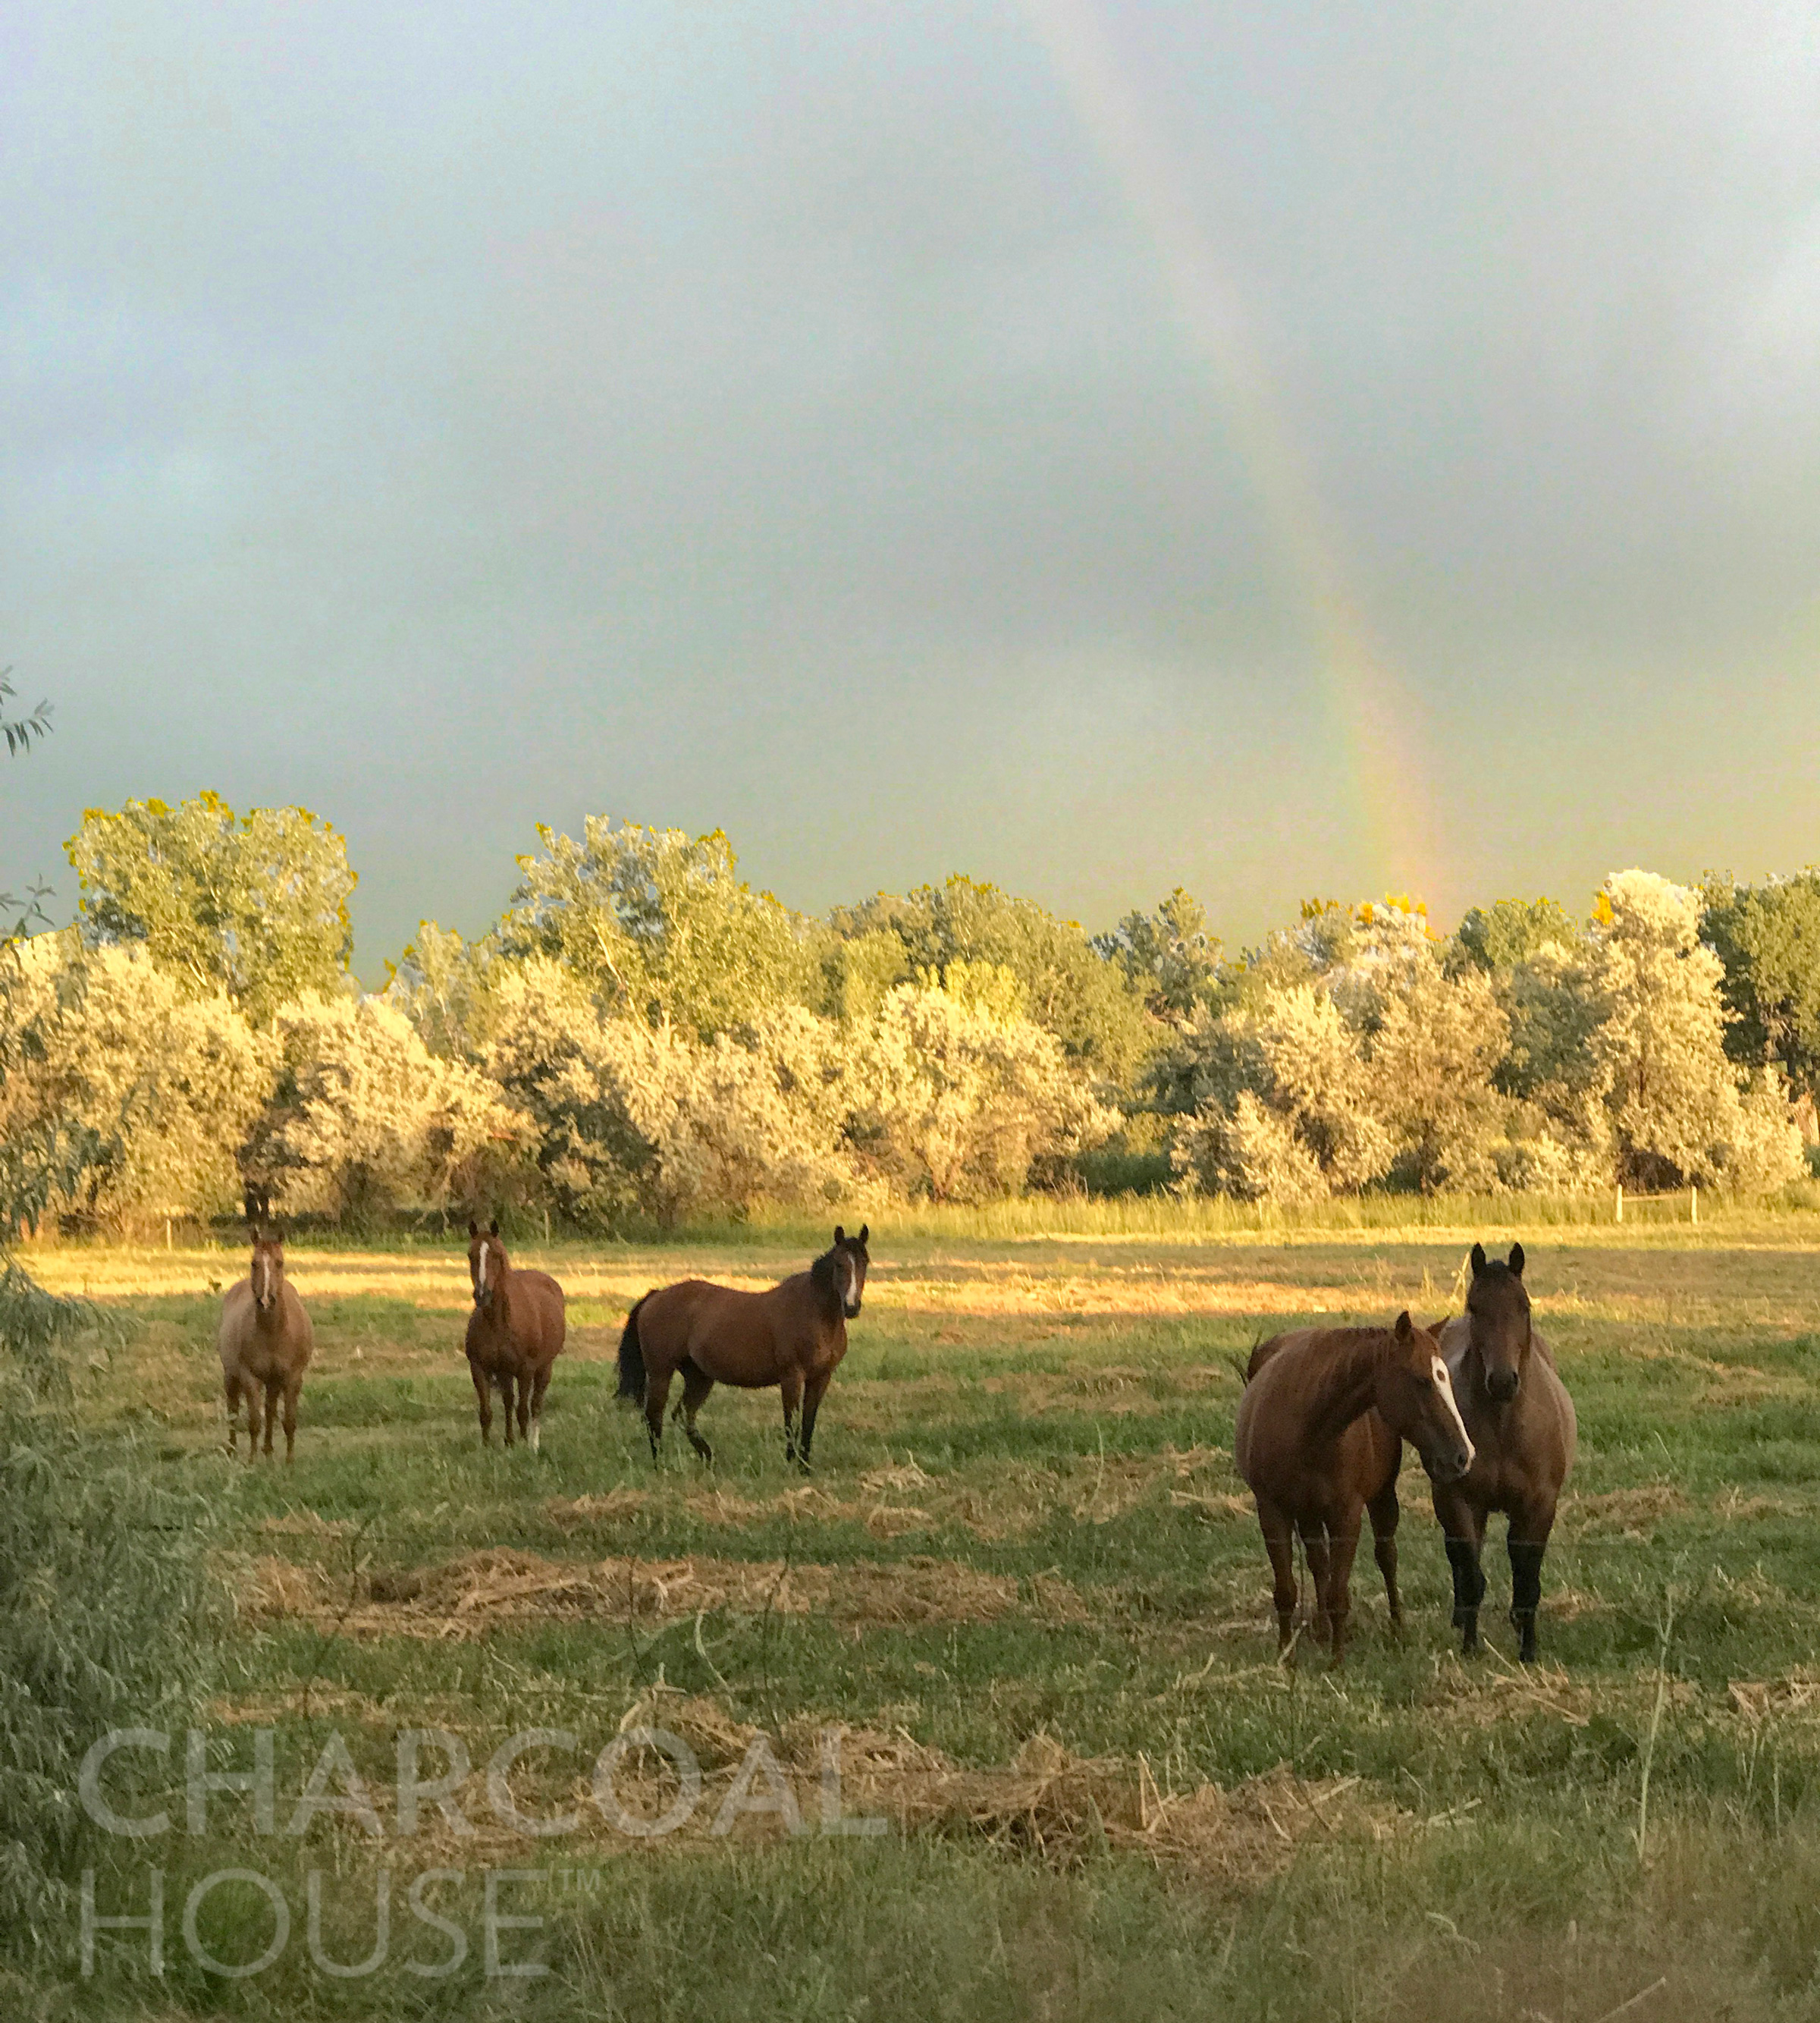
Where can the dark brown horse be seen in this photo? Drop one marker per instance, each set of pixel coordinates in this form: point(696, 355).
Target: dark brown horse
point(1521, 1419)
point(793, 1335)
point(1318, 1439)
point(264, 1339)
point(514, 1334)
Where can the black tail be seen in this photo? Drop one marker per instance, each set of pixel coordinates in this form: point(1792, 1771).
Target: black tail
point(632, 1360)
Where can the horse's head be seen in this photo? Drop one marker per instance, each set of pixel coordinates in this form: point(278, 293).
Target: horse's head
point(850, 1261)
point(486, 1260)
point(1497, 1310)
point(268, 1267)
point(1416, 1395)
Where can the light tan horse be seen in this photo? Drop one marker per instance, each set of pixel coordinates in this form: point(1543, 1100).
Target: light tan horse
point(1318, 1439)
point(265, 1340)
point(793, 1335)
point(1521, 1422)
point(515, 1333)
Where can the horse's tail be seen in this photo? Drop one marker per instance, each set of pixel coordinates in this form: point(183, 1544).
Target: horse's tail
point(1252, 1364)
point(632, 1360)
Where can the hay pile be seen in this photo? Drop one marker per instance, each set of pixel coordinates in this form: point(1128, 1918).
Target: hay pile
point(464, 1596)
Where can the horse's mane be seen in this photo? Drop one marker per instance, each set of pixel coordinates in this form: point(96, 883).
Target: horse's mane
point(821, 1271)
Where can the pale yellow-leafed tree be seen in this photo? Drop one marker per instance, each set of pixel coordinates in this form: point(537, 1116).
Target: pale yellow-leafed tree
point(1438, 1043)
point(634, 1119)
point(1679, 1109)
point(1303, 1062)
point(957, 1095)
point(365, 1120)
point(169, 1081)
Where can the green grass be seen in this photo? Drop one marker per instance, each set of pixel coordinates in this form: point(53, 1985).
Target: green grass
point(1025, 1534)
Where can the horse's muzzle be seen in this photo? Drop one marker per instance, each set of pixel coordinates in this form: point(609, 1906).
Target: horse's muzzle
point(1447, 1468)
point(1501, 1385)
point(853, 1311)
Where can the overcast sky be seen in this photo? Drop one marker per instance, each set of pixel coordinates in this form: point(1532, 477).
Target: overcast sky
point(920, 438)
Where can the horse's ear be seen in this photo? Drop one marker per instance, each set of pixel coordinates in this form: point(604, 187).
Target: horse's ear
point(493, 1227)
point(473, 1226)
point(840, 1236)
point(1478, 1258)
point(865, 1230)
point(1517, 1258)
point(1406, 1328)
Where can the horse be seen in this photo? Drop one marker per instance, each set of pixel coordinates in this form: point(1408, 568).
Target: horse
point(515, 1334)
point(264, 1339)
point(1318, 1441)
point(793, 1335)
point(1522, 1423)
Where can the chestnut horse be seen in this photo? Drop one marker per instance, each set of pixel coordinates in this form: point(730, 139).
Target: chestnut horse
point(514, 1334)
point(1521, 1419)
point(264, 1339)
point(793, 1335)
point(1318, 1439)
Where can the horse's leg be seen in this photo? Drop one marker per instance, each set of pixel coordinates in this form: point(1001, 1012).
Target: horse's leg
point(1384, 1515)
point(1343, 1533)
point(484, 1396)
point(524, 1384)
point(293, 1390)
point(814, 1389)
point(506, 1403)
point(250, 1388)
point(1527, 1542)
point(1462, 1527)
point(1280, 1543)
point(657, 1375)
point(539, 1384)
point(790, 1384)
point(696, 1384)
point(1314, 1544)
point(274, 1397)
point(231, 1384)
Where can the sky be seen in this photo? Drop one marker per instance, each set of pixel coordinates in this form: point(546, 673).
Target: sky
point(1305, 449)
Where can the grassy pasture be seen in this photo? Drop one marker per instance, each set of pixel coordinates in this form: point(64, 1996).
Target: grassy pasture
point(1026, 1578)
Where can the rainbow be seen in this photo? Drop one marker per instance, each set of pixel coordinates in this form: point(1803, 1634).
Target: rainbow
point(1372, 720)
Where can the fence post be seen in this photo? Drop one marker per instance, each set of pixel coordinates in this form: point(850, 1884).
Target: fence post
point(1621, 1201)
point(1693, 1203)
point(167, 1232)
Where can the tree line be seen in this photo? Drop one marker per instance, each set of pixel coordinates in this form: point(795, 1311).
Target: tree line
point(642, 1037)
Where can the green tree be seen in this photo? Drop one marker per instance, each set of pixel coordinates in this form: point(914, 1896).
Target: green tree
point(1508, 932)
point(658, 925)
point(1168, 955)
point(1768, 937)
point(255, 905)
point(1069, 989)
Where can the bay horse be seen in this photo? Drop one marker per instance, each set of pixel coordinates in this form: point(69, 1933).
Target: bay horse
point(1523, 1430)
point(1318, 1439)
point(793, 1335)
point(264, 1339)
point(515, 1333)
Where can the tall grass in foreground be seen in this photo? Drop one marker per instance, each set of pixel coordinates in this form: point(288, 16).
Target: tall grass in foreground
point(103, 1598)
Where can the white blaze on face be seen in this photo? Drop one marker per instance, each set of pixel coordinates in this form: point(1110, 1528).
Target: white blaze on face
point(481, 1269)
point(1444, 1383)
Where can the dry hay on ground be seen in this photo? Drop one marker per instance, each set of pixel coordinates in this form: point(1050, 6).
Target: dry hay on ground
point(1048, 1803)
point(1627, 1514)
point(1019, 1498)
point(467, 1596)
